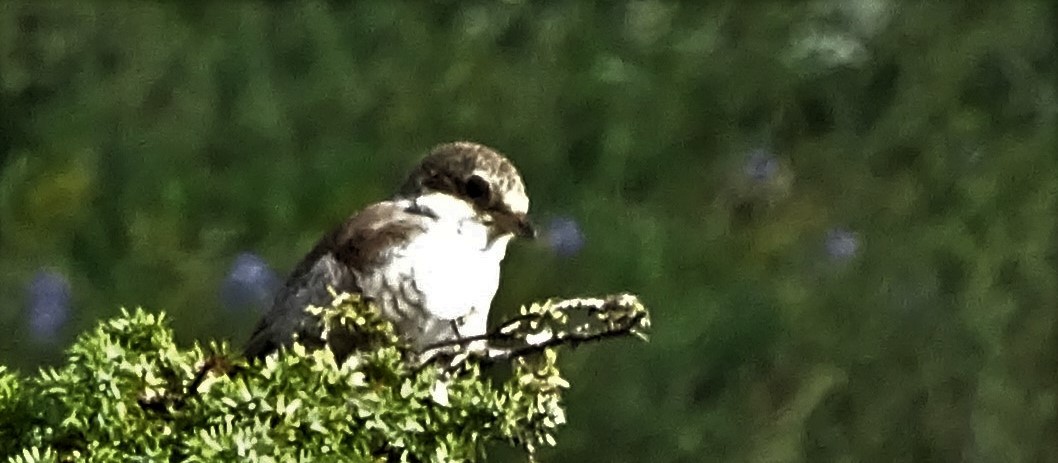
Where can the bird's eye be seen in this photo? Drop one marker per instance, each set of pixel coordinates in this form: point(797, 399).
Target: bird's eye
point(477, 189)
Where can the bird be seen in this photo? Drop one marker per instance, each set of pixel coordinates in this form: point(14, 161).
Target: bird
point(428, 257)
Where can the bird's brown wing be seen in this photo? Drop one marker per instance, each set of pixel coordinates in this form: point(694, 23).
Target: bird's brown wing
point(334, 262)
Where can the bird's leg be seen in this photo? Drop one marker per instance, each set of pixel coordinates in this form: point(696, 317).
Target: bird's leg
point(462, 351)
point(477, 347)
point(450, 352)
point(453, 352)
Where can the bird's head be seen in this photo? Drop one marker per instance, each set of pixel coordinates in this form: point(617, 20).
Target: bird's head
point(480, 176)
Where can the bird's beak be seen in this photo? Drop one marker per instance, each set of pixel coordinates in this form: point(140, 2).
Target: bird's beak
point(516, 224)
point(526, 229)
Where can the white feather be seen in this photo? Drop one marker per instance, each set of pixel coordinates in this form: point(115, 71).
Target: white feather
point(454, 267)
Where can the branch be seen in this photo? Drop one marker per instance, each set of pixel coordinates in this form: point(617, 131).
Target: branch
point(554, 323)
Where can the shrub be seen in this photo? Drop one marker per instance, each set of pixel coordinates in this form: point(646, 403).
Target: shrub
point(128, 393)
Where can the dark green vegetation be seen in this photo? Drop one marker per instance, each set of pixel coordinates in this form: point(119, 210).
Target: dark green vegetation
point(844, 214)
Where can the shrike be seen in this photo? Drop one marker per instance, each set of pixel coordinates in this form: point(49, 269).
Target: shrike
point(429, 257)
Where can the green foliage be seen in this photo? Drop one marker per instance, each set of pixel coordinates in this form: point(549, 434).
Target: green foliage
point(127, 393)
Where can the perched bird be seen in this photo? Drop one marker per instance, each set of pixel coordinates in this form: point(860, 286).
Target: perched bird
point(429, 257)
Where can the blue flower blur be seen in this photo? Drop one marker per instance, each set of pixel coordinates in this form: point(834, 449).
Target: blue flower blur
point(47, 305)
point(761, 166)
point(841, 244)
point(564, 236)
point(251, 283)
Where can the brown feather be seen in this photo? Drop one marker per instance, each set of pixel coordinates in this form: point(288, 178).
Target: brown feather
point(354, 246)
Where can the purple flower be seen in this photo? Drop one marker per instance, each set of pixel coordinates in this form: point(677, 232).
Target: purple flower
point(842, 244)
point(47, 305)
point(564, 236)
point(251, 282)
point(761, 165)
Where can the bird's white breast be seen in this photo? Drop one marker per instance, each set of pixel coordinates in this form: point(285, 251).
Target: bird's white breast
point(449, 272)
point(454, 267)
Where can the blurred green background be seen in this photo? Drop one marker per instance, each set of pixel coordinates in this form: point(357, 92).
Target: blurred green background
point(842, 213)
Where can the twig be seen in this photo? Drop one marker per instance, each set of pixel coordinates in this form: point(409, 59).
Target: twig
point(546, 326)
